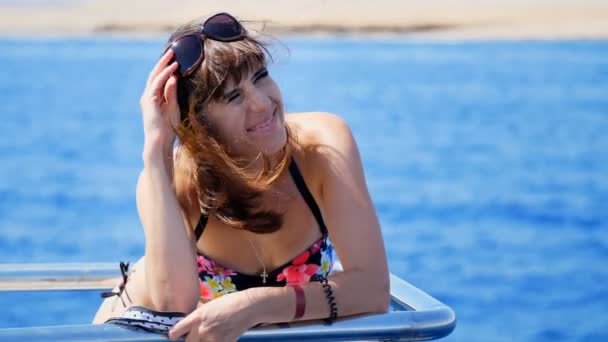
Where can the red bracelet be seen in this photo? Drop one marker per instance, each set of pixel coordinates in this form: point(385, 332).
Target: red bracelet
point(300, 301)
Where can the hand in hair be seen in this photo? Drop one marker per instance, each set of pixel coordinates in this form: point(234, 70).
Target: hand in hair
point(159, 106)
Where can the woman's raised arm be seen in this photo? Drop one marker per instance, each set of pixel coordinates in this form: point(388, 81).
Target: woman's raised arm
point(170, 252)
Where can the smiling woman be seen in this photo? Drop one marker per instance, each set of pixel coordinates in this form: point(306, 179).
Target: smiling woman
point(278, 197)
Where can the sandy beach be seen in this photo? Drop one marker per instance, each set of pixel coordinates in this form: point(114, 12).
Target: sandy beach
point(476, 19)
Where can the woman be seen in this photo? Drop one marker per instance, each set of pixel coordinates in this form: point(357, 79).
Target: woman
point(274, 194)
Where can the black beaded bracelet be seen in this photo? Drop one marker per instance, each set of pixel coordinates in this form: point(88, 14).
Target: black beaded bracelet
point(331, 300)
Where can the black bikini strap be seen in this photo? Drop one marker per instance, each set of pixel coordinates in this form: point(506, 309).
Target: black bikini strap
point(301, 184)
point(310, 200)
point(200, 227)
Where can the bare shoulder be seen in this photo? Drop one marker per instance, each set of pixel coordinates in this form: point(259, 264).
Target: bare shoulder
point(321, 129)
point(326, 143)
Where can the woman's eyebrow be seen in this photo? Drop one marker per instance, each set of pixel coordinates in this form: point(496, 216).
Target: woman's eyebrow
point(231, 93)
point(257, 73)
point(236, 89)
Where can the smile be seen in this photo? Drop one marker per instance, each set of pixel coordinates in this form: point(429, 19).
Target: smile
point(263, 125)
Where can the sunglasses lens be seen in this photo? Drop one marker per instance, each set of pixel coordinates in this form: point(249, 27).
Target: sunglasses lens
point(188, 51)
point(223, 27)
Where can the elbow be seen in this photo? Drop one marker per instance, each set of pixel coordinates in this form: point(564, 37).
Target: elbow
point(383, 297)
point(174, 304)
point(171, 300)
point(384, 302)
point(375, 287)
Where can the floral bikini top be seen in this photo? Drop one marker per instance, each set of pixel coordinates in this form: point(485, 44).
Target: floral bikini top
point(216, 280)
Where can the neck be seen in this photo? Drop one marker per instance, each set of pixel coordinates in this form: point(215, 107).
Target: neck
point(254, 165)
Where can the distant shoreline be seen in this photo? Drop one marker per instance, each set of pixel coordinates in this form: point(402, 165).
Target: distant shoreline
point(470, 19)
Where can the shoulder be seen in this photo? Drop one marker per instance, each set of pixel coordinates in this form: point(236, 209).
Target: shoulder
point(326, 145)
point(321, 129)
point(317, 123)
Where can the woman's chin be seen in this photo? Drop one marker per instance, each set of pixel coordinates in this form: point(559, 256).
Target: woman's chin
point(273, 145)
point(268, 145)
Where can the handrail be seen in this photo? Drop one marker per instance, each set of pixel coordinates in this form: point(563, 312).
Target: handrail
point(59, 276)
point(417, 315)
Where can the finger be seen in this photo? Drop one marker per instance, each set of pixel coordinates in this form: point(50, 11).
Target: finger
point(193, 336)
point(162, 62)
point(171, 89)
point(182, 327)
point(157, 85)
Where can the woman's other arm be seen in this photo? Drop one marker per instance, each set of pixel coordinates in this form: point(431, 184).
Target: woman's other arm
point(363, 286)
point(170, 255)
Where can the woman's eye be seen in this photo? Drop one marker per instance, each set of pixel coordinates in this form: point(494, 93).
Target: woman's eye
point(262, 74)
point(233, 97)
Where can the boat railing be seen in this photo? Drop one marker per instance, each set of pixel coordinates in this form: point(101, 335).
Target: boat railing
point(414, 314)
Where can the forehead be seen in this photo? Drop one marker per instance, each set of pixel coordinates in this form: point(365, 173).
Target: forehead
point(244, 74)
point(226, 65)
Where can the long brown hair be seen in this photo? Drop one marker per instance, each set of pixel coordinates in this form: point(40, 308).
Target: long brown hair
point(209, 174)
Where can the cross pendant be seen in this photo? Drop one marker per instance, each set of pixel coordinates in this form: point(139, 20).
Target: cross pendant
point(264, 275)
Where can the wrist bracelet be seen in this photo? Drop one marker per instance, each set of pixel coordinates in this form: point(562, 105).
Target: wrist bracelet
point(331, 300)
point(300, 301)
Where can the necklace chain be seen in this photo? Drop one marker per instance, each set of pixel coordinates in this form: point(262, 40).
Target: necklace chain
point(264, 275)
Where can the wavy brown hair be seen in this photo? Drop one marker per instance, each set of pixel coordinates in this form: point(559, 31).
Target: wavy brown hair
point(207, 173)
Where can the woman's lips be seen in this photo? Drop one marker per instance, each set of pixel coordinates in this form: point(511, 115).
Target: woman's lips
point(263, 125)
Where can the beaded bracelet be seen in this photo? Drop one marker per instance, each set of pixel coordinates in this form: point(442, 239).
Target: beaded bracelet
point(331, 300)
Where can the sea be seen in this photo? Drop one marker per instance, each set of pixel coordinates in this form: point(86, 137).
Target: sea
point(486, 160)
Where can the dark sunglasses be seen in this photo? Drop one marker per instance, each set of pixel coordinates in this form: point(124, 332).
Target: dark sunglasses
point(189, 48)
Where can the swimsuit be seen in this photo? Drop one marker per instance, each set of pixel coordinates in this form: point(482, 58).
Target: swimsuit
point(216, 280)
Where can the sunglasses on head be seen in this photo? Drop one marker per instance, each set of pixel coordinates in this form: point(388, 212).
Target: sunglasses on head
point(189, 49)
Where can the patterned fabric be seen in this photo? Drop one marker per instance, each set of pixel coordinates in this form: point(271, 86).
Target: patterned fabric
point(216, 280)
point(143, 319)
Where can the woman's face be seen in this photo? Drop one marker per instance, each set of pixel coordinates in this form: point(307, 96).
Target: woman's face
point(249, 117)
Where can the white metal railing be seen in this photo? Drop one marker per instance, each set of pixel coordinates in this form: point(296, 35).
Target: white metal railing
point(415, 314)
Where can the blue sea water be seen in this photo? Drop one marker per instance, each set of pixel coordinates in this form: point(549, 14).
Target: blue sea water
point(487, 163)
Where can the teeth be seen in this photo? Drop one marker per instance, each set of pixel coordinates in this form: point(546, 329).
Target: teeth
point(263, 124)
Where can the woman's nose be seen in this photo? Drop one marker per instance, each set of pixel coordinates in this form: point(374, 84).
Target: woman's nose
point(259, 101)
